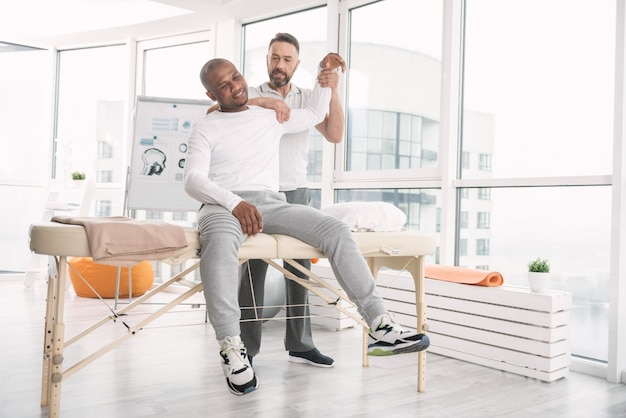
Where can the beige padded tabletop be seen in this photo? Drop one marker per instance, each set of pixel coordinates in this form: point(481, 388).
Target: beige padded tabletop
point(53, 238)
point(402, 243)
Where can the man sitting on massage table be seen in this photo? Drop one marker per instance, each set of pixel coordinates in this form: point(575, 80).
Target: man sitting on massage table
point(232, 169)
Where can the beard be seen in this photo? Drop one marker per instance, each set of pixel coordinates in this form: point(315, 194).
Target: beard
point(278, 82)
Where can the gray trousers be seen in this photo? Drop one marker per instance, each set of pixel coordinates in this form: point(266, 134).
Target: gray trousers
point(221, 236)
point(298, 335)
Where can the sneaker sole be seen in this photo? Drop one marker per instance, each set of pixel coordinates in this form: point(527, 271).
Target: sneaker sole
point(300, 360)
point(410, 348)
point(247, 390)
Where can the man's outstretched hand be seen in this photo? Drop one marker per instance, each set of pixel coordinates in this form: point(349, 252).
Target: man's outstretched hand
point(333, 61)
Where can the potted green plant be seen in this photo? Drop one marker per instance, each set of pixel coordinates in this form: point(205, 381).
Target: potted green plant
point(539, 275)
point(78, 179)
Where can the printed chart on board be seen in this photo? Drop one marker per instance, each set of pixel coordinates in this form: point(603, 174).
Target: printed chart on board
point(161, 129)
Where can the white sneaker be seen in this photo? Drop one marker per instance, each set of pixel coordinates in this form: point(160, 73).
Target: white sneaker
point(239, 374)
point(387, 338)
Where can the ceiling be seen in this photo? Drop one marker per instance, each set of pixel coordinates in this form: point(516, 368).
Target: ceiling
point(65, 23)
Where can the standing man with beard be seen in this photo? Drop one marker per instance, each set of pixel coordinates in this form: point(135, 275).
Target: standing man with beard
point(282, 62)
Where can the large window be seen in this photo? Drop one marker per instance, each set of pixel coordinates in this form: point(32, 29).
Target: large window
point(26, 144)
point(558, 224)
point(393, 89)
point(90, 127)
point(538, 90)
point(24, 113)
point(539, 103)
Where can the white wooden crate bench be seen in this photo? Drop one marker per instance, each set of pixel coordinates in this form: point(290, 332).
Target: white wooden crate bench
point(508, 328)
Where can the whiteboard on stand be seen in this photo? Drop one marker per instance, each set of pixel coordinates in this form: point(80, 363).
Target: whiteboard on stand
point(159, 150)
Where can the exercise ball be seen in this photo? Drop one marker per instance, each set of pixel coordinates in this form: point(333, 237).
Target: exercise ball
point(274, 292)
point(103, 277)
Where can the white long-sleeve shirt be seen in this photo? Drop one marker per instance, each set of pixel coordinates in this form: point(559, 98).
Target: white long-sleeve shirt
point(294, 147)
point(238, 151)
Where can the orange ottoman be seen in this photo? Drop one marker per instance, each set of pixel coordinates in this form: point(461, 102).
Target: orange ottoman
point(102, 278)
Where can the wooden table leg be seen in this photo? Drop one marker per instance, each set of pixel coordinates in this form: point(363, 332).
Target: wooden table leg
point(415, 266)
point(54, 339)
point(417, 270)
point(421, 356)
point(48, 332)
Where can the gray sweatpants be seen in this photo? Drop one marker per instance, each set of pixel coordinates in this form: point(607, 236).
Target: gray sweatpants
point(221, 236)
point(298, 335)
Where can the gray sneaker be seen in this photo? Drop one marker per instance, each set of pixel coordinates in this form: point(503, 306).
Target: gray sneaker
point(312, 357)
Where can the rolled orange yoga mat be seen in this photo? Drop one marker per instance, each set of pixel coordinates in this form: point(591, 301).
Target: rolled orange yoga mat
point(464, 275)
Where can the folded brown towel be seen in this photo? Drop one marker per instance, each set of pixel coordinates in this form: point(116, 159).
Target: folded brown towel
point(463, 275)
point(123, 241)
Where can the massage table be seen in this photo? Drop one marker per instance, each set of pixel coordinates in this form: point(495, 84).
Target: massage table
point(401, 250)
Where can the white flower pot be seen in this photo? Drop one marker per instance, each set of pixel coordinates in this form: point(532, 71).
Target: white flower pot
point(539, 282)
point(78, 184)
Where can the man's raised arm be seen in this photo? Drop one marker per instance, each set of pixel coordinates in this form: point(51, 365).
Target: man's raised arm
point(315, 112)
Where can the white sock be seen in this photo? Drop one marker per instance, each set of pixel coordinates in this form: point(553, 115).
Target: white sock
point(377, 321)
point(235, 340)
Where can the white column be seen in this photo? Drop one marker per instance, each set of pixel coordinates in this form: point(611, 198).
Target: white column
point(617, 287)
point(450, 111)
